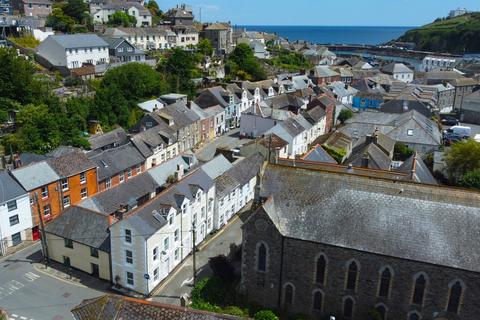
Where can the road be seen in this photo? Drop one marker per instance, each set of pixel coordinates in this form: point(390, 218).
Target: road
point(181, 282)
point(28, 294)
point(228, 141)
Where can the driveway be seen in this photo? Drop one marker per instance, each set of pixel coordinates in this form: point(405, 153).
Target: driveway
point(29, 294)
point(181, 282)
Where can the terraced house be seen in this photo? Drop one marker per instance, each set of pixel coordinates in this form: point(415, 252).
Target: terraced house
point(56, 184)
point(151, 241)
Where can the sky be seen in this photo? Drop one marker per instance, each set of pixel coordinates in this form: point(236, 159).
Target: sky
point(323, 12)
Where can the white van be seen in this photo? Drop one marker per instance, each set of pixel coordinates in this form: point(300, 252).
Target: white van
point(461, 131)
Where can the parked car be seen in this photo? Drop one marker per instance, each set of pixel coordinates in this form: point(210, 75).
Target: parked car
point(450, 121)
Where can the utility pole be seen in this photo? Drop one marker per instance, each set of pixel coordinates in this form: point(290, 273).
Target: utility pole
point(194, 237)
point(46, 257)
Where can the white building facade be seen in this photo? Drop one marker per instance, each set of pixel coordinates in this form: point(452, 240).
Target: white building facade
point(147, 246)
point(15, 214)
point(72, 51)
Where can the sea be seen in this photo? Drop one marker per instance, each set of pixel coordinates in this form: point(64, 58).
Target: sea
point(334, 34)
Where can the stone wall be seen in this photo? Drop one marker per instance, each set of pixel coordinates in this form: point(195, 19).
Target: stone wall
point(298, 268)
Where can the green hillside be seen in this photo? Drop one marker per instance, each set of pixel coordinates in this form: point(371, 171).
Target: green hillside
point(456, 35)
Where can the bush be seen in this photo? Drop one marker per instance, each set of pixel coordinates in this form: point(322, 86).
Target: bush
point(265, 315)
point(471, 179)
point(235, 311)
point(209, 290)
point(337, 153)
point(402, 152)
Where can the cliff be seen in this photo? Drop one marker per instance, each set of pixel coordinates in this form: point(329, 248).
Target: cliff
point(455, 35)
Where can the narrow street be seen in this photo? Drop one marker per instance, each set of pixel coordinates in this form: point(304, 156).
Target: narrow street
point(181, 281)
point(29, 294)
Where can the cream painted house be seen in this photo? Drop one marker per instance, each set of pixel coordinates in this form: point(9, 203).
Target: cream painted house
point(79, 239)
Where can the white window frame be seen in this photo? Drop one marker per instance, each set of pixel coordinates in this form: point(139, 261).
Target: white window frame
point(83, 178)
point(66, 204)
point(64, 184)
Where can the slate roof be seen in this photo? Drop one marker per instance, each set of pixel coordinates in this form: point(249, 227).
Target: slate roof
point(143, 220)
point(125, 194)
point(27, 158)
point(398, 219)
point(117, 136)
point(314, 115)
point(181, 115)
point(377, 158)
point(35, 175)
point(239, 175)
point(393, 68)
point(113, 161)
point(147, 140)
point(217, 166)
point(213, 96)
point(113, 307)
point(9, 188)
point(161, 173)
point(71, 164)
point(83, 226)
point(125, 31)
point(285, 101)
point(395, 126)
point(71, 41)
point(417, 170)
point(318, 154)
point(324, 72)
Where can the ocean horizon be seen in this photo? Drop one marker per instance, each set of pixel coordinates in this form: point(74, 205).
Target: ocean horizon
point(368, 35)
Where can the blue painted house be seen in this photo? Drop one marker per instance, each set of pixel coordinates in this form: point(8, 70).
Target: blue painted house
point(367, 100)
point(6, 7)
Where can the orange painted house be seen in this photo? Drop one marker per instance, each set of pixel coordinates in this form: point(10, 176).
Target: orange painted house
point(57, 183)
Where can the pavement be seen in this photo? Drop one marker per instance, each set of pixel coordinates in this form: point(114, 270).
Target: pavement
point(181, 282)
point(228, 141)
point(28, 293)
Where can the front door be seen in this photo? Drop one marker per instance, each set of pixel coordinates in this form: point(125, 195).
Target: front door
point(66, 261)
point(35, 234)
point(95, 270)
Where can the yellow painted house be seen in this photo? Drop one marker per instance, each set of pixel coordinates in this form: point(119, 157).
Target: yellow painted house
point(79, 239)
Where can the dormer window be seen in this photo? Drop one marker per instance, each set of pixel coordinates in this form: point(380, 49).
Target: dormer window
point(410, 132)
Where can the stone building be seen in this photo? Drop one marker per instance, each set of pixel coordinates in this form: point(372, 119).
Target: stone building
point(324, 244)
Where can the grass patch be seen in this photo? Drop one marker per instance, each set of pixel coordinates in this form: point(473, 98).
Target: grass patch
point(25, 41)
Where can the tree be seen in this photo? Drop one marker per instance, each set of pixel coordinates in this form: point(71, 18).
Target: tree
point(344, 115)
point(38, 129)
point(76, 9)
point(243, 64)
point(59, 21)
point(120, 18)
point(205, 47)
point(463, 157)
point(179, 69)
point(157, 14)
point(471, 179)
point(18, 80)
point(292, 61)
point(120, 91)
